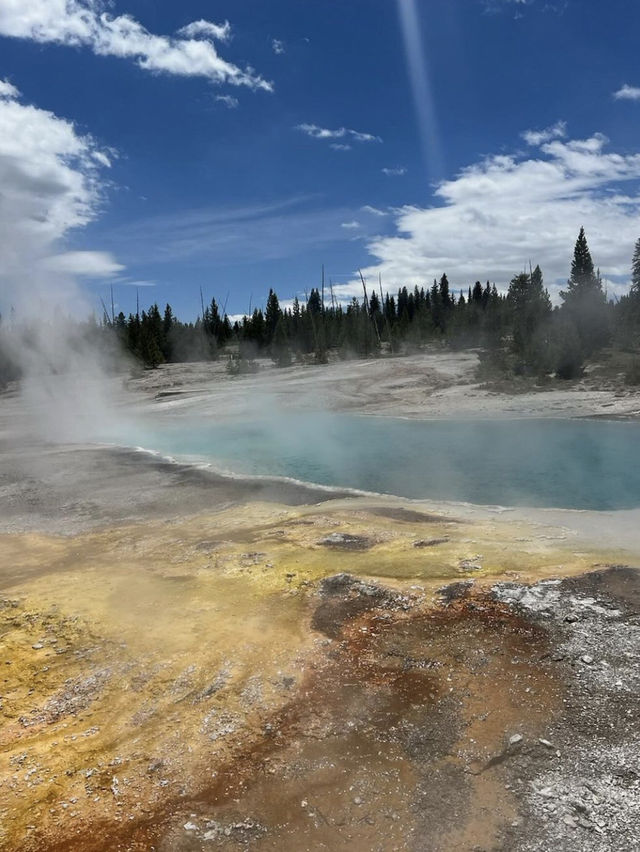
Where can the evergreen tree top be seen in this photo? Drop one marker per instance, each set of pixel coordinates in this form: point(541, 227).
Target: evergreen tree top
point(582, 268)
point(635, 272)
point(583, 278)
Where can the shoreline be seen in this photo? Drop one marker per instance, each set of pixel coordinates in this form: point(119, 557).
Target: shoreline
point(204, 488)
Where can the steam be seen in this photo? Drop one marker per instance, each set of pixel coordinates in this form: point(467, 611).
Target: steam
point(51, 184)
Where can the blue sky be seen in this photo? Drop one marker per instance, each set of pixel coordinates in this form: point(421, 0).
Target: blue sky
point(405, 137)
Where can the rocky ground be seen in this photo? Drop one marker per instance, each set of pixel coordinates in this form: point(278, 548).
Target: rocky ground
point(432, 384)
point(585, 795)
point(503, 718)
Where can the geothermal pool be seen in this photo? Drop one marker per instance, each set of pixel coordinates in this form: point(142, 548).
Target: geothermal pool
point(579, 464)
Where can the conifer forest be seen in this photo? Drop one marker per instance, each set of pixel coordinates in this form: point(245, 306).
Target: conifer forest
point(517, 332)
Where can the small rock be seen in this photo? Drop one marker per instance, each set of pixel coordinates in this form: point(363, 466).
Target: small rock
point(470, 565)
point(515, 740)
point(547, 793)
point(546, 743)
point(346, 541)
point(190, 826)
point(571, 618)
point(587, 659)
point(37, 646)
point(357, 800)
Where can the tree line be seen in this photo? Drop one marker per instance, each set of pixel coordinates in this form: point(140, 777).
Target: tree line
point(519, 332)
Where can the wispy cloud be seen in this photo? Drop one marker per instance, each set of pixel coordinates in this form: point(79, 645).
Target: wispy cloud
point(317, 132)
point(87, 23)
point(395, 171)
point(278, 47)
point(340, 146)
point(133, 282)
point(517, 7)
point(512, 208)
point(374, 211)
point(228, 100)
point(350, 226)
point(494, 6)
point(627, 93)
point(196, 29)
point(284, 229)
point(539, 137)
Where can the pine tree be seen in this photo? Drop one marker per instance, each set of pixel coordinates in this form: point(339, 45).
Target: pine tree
point(634, 292)
point(314, 305)
point(531, 308)
point(583, 278)
point(272, 316)
point(584, 300)
point(168, 322)
point(444, 291)
point(280, 352)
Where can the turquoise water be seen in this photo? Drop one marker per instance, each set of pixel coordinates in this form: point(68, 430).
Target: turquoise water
point(582, 464)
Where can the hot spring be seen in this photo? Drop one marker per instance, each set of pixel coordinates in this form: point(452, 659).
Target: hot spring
point(577, 464)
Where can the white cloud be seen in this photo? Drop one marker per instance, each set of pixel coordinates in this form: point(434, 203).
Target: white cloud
point(364, 137)
point(50, 182)
point(95, 264)
point(374, 211)
point(278, 47)
point(102, 158)
point(627, 93)
point(350, 226)
point(494, 216)
point(228, 100)
point(207, 29)
point(316, 132)
point(134, 282)
point(86, 23)
point(397, 171)
point(539, 137)
point(8, 90)
point(340, 146)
